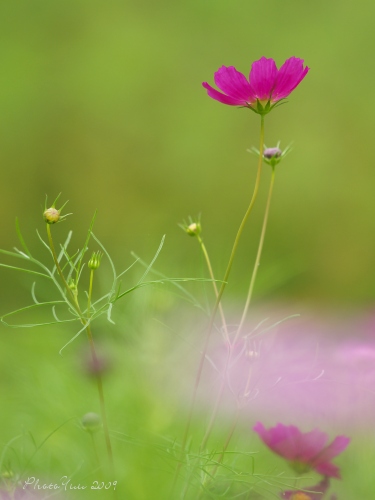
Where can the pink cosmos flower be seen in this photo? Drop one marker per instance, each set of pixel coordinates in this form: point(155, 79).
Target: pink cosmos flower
point(304, 451)
point(266, 85)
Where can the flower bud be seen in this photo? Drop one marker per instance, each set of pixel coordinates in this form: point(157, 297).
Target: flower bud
point(272, 153)
point(91, 422)
point(7, 474)
point(272, 156)
point(51, 215)
point(194, 229)
point(94, 262)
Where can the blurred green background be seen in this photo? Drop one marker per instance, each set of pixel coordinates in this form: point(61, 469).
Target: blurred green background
point(103, 102)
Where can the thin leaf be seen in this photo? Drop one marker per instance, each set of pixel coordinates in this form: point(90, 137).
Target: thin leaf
point(275, 324)
point(85, 246)
point(42, 443)
point(6, 448)
point(26, 270)
point(17, 253)
point(126, 270)
point(75, 336)
point(110, 261)
point(154, 282)
point(33, 325)
point(43, 242)
point(110, 306)
point(20, 237)
point(32, 306)
point(157, 273)
point(33, 293)
point(63, 250)
point(153, 260)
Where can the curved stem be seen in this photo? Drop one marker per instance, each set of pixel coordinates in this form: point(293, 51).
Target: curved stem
point(218, 299)
point(85, 321)
point(258, 256)
point(208, 262)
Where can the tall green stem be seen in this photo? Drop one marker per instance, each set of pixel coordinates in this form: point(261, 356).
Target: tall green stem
point(248, 300)
point(212, 276)
point(258, 256)
point(86, 322)
point(98, 378)
point(218, 299)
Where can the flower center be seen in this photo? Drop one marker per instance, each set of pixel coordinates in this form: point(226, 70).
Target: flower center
point(300, 467)
point(300, 496)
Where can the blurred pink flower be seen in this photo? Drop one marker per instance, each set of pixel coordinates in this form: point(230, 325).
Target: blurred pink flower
point(266, 83)
point(304, 451)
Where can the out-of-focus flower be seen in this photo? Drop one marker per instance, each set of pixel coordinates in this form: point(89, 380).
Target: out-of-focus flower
point(91, 422)
point(265, 88)
point(19, 493)
point(316, 492)
point(304, 450)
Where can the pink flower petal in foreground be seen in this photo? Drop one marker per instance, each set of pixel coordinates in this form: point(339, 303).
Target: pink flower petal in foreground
point(266, 84)
point(304, 451)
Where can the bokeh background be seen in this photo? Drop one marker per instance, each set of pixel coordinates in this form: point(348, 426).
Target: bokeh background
point(103, 102)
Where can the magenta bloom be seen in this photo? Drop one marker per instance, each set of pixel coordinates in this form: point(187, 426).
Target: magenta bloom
point(304, 451)
point(266, 85)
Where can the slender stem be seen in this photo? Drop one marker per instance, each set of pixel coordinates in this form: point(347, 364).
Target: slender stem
point(101, 399)
point(86, 322)
point(90, 292)
point(98, 377)
point(95, 449)
point(209, 266)
point(258, 256)
point(226, 444)
point(54, 255)
point(251, 287)
point(218, 299)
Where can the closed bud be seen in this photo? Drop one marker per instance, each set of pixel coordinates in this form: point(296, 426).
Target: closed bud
point(272, 156)
point(91, 422)
point(94, 262)
point(194, 229)
point(272, 153)
point(51, 215)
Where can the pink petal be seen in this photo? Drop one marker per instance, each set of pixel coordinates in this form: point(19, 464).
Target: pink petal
point(337, 446)
point(218, 96)
point(281, 439)
point(234, 84)
point(310, 444)
point(263, 76)
point(289, 76)
point(329, 470)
